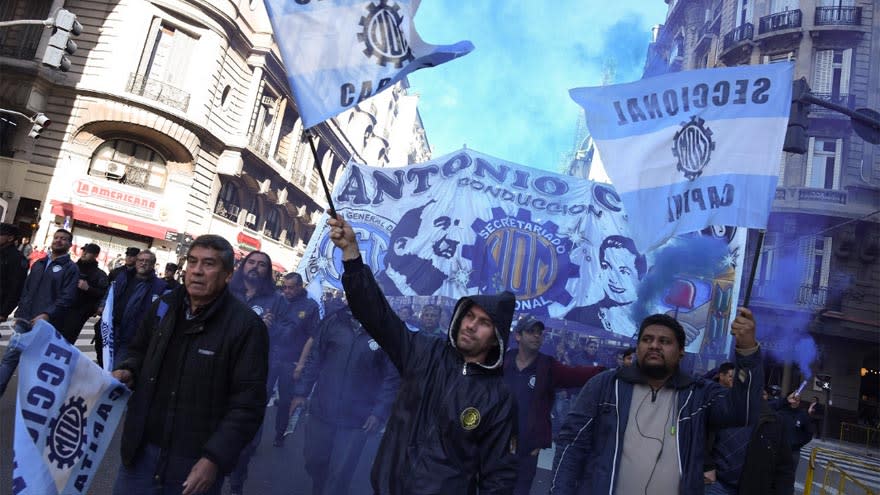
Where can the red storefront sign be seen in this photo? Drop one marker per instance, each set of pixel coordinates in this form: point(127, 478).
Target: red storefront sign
point(247, 242)
point(115, 196)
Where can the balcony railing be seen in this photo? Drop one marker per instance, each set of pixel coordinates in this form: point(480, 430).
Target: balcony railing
point(814, 296)
point(789, 19)
point(259, 145)
point(160, 91)
point(832, 196)
point(740, 34)
point(838, 16)
point(227, 210)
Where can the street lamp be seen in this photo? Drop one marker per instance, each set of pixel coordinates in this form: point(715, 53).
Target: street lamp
point(39, 121)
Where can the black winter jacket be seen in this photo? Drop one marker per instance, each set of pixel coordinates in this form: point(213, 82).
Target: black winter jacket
point(51, 291)
point(354, 377)
point(769, 466)
point(221, 390)
point(452, 429)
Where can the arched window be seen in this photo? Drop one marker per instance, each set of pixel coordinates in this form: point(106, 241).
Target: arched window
point(253, 220)
point(227, 202)
point(131, 163)
point(273, 224)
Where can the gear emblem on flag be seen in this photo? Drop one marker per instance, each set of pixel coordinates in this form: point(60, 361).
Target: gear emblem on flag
point(692, 145)
point(383, 36)
point(67, 433)
point(523, 256)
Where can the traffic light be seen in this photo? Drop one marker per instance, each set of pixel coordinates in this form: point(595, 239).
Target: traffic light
point(40, 122)
point(796, 139)
point(60, 45)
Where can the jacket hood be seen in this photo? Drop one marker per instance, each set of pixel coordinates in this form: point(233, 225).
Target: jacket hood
point(500, 308)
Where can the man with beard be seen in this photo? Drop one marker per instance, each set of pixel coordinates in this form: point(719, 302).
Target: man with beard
point(49, 293)
point(91, 288)
point(407, 272)
point(642, 428)
point(253, 285)
point(534, 377)
point(622, 268)
point(13, 270)
point(452, 429)
point(128, 302)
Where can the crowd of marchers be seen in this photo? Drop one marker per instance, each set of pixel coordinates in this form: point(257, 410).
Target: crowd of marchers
point(463, 398)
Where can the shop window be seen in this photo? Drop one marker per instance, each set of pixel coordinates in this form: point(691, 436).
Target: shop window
point(131, 163)
point(273, 224)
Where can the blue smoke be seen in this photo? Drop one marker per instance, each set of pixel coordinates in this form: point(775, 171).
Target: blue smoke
point(693, 256)
point(791, 343)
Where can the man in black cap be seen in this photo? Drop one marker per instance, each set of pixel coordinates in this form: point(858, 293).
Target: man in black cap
point(453, 426)
point(91, 289)
point(534, 377)
point(13, 270)
point(127, 267)
point(170, 270)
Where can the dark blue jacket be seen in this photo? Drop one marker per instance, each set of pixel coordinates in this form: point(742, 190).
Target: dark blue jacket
point(299, 322)
point(51, 291)
point(127, 320)
point(355, 379)
point(592, 435)
point(271, 302)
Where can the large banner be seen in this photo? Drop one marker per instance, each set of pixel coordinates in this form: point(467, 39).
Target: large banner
point(692, 149)
point(340, 52)
point(66, 412)
point(469, 223)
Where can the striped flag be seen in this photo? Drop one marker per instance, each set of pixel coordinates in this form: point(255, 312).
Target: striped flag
point(692, 149)
point(66, 412)
point(340, 52)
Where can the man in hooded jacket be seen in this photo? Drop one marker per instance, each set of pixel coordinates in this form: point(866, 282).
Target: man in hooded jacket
point(453, 426)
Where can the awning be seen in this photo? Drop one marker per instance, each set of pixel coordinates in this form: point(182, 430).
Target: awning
point(92, 215)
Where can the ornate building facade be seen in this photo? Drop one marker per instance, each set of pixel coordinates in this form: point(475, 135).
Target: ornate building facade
point(175, 120)
point(819, 267)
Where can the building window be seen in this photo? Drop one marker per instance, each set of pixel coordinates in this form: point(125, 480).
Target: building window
point(253, 220)
point(779, 57)
point(815, 251)
point(823, 163)
point(227, 202)
point(129, 163)
point(744, 9)
point(169, 56)
point(831, 74)
point(777, 6)
point(273, 224)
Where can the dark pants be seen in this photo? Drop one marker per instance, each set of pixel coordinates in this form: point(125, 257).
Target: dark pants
point(139, 479)
point(99, 343)
point(283, 373)
point(240, 474)
point(525, 475)
point(332, 454)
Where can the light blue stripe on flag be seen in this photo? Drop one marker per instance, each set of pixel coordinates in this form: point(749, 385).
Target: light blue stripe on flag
point(742, 200)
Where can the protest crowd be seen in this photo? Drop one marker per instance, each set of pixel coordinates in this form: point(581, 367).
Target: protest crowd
point(460, 405)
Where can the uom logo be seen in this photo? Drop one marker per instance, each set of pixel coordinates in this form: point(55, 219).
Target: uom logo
point(383, 36)
point(693, 147)
point(67, 433)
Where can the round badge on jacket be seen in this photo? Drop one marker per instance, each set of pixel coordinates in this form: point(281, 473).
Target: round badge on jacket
point(532, 381)
point(56, 269)
point(257, 309)
point(470, 418)
point(374, 346)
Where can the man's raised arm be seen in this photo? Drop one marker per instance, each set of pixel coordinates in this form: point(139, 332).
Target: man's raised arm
point(366, 300)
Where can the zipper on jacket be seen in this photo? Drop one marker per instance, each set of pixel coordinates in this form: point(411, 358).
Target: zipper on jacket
point(464, 369)
point(616, 436)
point(678, 431)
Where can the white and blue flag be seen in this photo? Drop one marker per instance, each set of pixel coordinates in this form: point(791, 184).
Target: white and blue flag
point(692, 149)
point(66, 413)
point(340, 52)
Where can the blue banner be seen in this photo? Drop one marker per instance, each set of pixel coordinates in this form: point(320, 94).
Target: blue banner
point(66, 413)
point(338, 53)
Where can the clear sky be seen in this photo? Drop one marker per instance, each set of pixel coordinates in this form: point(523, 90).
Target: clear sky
point(509, 97)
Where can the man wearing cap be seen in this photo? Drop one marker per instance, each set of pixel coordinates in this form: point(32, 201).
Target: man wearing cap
point(127, 267)
point(642, 428)
point(170, 270)
point(534, 377)
point(13, 270)
point(453, 426)
point(49, 293)
point(91, 289)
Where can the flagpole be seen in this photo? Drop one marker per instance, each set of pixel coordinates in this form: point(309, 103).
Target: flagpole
point(754, 269)
point(310, 135)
